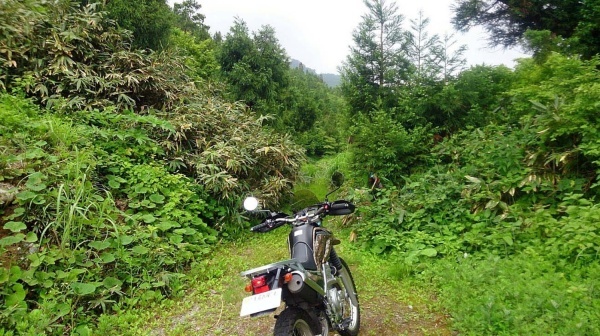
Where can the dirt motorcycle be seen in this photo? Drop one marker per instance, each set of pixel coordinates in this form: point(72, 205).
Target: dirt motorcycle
point(315, 284)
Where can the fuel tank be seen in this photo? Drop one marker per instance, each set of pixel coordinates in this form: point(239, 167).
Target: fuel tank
point(310, 245)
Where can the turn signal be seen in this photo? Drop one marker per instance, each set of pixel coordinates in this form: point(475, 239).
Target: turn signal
point(287, 277)
point(248, 288)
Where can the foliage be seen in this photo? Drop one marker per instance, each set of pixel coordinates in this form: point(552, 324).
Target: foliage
point(451, 58)
point(255, 67)
point(474, 99)
point(560, 97)
point(524, 294)
point(314, 113)
point(205, 141)
point(390, 156)
point(478, 198)
point(77, 58)
point(421, 50)
point(226, 149)
point(189, 20)
point(315, 175)
point(134, 237)
point(508, 21)
point(406, 78)
point(485, 181)
point(377, 62)
point(201, 55)
point(296, 101)
point(513, 201)
point(304, 101)
point(149, 21)
point(130, 175)
point(94, 241)
point(135, 162)
point(480, 90)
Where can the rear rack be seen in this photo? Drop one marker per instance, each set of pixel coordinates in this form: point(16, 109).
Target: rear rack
point(292, 263)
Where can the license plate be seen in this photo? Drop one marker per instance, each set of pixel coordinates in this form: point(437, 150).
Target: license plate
point(261, 302)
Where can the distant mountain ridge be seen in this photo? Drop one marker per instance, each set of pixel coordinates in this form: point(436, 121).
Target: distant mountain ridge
point(330, 79)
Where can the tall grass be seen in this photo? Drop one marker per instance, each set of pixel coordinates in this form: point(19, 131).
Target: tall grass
point(316, 175)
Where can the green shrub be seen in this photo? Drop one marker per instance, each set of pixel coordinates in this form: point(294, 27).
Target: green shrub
point(521, 295)
point(509, 208)
point(100, 228)
point(76, 58)
point(91, 67)
point(382, 145)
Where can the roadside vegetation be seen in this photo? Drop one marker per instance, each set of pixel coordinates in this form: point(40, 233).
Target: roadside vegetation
point(390, 306)
point(124, 156)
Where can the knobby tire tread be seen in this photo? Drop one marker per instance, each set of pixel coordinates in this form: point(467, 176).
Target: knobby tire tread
point(287, 319)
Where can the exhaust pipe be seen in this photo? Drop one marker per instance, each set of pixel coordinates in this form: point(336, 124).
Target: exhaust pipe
point(305, 288)
point(296, 284)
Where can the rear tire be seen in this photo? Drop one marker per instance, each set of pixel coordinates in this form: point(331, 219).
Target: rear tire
point(296, 322)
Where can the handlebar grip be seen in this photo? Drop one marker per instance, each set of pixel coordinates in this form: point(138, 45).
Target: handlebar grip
point(339, 206)
point(259, 226)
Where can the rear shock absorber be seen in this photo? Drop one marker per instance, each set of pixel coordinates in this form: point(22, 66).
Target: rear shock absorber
point(335, 260)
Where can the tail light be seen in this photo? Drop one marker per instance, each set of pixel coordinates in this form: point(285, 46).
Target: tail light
point(259, 284)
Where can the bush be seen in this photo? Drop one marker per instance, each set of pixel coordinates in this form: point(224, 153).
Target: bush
point(521, 295)
point(384, 146)
point(89, 241)
point(510, 209)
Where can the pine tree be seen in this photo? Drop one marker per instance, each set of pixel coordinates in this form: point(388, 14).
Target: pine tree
point(451, 57)
point(190, 20)
point(422, 50)
point(377, 62)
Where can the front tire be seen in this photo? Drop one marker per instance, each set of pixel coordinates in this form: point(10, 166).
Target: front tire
point(354, 310)
point(295, 322)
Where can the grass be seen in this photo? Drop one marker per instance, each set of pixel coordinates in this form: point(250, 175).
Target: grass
point(211, 306)
point(316, 175)
point(210, 303)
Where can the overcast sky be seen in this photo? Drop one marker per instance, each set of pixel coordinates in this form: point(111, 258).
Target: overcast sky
point(319, 32)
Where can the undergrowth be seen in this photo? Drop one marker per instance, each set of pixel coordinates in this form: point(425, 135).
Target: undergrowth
point(504, 219)
point(525, 294)
point(89, 241)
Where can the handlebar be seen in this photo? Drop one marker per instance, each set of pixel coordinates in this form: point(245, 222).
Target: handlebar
point(271, 223)
point(305, 215)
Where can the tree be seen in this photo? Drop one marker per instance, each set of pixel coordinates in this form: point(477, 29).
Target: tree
point(382, 144)
point(507, 21)
point(477, 95)
point(377, 62)
point(234, 55)
point(149, 20)
point(451, 60)
point(422, 50)
point(190, 20)
point(255, 67)
point(434, 60)
point(201, 55)
point(272, 64)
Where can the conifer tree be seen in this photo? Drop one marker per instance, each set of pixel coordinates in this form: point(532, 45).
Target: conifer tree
point(377, 62)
